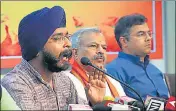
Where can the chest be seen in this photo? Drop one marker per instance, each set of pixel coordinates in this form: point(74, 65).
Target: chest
point(49, 98)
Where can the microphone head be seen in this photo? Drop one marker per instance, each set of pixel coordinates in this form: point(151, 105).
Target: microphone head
point(85, 61)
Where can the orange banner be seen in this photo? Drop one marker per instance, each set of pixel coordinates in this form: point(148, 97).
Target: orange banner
point(103, 14)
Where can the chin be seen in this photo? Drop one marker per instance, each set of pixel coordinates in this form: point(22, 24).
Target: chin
point(148, 52)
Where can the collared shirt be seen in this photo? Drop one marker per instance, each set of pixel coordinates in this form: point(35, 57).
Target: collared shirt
point(31, 92)
point(144, 77)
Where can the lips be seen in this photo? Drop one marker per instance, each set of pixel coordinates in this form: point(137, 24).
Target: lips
point(148, 45)
point(65, 56)
point(100, 59)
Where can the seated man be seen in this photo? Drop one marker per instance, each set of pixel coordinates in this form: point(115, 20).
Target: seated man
point(90, 42)
point(132, 64)
point(37, 83)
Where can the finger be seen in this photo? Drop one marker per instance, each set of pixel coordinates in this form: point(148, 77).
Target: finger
point(91, 76)
point(103, 78)
point(87, 88)
point(100, 76)
point(96, 73)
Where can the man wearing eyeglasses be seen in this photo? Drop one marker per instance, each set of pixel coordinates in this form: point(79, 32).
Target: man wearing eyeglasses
point(132, 64)
point(38, 83)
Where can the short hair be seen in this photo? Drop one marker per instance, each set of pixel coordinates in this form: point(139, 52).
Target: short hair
point(125, 23)
point(75, 38)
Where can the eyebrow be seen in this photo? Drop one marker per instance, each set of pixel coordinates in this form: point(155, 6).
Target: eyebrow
point(144, 31)
point(92, 43)
point(60, 33)
point(96, 43)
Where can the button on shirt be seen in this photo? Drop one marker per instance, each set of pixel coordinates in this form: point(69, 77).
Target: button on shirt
point(31, 92)
point(144, 77)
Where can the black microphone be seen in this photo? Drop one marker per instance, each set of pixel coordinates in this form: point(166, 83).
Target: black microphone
point(103, 106)
point(86, 61)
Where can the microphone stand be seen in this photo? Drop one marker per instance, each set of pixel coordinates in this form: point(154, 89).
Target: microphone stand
point(126, 85)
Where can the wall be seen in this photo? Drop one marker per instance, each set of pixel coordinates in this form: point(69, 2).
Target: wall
point(167, 64)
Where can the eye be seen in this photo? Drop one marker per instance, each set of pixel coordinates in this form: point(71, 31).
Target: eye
point(55, 38)
point(141, 34)
point(68, 36)
point(68, 46)
point(104, 47)
point(93, 45)
point(150, 33)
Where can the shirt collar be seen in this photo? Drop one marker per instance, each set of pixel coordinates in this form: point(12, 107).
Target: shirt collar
point(27, 67)
point(134, 59)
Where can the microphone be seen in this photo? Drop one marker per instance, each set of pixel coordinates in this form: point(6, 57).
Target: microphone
point(109, 105)
point(86, 61)
point(103, 106)
point(132, 103)
point(171, 104)
point(112, 105)
point(155, 103)
point(125, 100)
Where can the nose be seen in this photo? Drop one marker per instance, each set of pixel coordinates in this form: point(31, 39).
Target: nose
point(148, 37)
point(100, 50)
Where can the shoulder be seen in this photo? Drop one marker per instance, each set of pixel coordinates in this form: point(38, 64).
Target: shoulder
point(114, 66)
point(112, 63)
point(117, 63)
point(153, 68)
point(14, 76)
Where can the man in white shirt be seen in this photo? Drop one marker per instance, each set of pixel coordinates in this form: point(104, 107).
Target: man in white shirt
point(90, 42)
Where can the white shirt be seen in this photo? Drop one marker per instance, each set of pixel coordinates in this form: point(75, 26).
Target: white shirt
point(81, 91)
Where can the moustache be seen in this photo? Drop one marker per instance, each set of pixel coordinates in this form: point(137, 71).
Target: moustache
point(66, 53)
point(99, 56)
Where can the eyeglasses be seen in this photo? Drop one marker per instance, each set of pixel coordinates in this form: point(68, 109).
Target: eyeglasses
point(60, 37)
point(143, 34)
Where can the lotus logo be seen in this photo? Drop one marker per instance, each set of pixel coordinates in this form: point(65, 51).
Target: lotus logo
point(172, 103)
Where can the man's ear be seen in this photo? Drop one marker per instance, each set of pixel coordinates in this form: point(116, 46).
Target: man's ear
point(123, 41)
point(75, 53)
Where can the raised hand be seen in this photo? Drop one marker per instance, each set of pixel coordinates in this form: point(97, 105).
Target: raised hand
point(96, 87)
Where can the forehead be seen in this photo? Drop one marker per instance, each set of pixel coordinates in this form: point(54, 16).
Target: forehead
point(137, 28)
point(60, 30)
point(93, 37)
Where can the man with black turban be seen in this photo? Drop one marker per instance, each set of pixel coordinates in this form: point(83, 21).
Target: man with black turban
point(39, 81)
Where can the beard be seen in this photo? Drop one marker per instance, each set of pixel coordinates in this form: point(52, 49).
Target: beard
point(52, 63)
